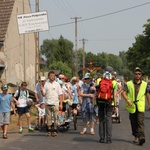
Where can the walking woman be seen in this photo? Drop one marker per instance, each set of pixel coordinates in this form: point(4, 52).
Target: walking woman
point(88, 113)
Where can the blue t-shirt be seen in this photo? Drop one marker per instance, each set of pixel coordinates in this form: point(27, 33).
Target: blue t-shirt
point(5, 100)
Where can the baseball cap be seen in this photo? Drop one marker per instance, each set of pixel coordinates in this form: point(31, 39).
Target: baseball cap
point(42, 103)
point(137, 69)
point(4, 87)
point(42, 78)
point(114, 73)
point(87, 76)
point(109, 69)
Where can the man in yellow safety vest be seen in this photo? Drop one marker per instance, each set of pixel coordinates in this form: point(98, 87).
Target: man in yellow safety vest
point(134, 94)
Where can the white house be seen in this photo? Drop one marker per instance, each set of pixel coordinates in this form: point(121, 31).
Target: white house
point(17, 51)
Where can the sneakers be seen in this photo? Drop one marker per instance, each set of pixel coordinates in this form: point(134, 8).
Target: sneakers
point(141, 141)
point(20, 131)
point(31, 130)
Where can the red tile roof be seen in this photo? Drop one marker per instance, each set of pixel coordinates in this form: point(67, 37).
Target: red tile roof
point(6, 7)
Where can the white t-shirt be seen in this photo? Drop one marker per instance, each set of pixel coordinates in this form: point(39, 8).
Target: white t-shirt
point(22, 98)
point(41, 111)
point(38, 92)
point(52, 92)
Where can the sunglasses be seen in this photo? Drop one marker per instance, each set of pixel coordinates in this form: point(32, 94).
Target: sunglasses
point(137, 73)
point(86, 78)
point(61, 78)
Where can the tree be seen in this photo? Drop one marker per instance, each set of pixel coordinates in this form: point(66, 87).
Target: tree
point(57, 50)
point(59, 65)
point(139, 53)
point(58, 53)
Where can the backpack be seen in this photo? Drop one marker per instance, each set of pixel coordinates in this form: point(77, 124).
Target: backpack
point(105, 90)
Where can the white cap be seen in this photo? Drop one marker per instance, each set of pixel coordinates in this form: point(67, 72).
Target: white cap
point(42, 103)
point(87, 75)
point(42, 78)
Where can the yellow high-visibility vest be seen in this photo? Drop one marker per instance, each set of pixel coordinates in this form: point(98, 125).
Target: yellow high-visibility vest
point(140, 97)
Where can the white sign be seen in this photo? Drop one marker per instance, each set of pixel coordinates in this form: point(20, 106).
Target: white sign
point(33, 22)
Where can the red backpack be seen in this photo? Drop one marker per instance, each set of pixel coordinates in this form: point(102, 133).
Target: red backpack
point(105, 90)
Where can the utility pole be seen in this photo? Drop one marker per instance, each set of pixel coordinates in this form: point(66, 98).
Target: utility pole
point(83, 55)
point(76, 45)
point(24, 47)
point(37, 67)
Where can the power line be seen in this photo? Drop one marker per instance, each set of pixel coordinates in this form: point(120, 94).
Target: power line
point(108, 14)
point(72, 8)
point(57, 3)
point(97, 40)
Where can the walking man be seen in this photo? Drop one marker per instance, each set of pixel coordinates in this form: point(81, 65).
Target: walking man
point(134, 94)
point(104, 100)
point(53, 101)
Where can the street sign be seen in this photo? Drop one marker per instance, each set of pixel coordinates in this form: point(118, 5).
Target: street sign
point(32, 22)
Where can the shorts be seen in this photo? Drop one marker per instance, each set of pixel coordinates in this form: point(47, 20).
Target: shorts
point(4, 118)
point(22, 110)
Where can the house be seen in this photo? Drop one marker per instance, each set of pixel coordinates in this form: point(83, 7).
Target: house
point(17, 51)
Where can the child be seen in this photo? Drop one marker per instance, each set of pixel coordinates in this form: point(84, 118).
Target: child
point(41, 114)
point(5, 106)
point(20, 98)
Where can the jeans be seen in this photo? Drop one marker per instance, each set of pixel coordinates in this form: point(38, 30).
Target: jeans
point(105, 121)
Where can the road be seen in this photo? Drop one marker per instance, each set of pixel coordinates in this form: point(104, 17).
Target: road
point(72, 140)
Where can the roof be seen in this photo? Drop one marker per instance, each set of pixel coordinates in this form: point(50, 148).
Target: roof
point(6, 7)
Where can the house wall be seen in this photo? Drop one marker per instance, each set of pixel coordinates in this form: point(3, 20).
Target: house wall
point(19, 51)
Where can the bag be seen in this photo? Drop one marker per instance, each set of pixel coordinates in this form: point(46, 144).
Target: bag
point(105, 90)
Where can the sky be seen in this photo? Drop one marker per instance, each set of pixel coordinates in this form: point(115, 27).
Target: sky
point(114, 26)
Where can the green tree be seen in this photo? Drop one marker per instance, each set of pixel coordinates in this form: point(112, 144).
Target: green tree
point(57, 50)
point(139, 53)
point(59, 65)
point(58, 53)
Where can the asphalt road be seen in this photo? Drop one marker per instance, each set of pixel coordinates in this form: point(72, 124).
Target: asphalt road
point(72, 140)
